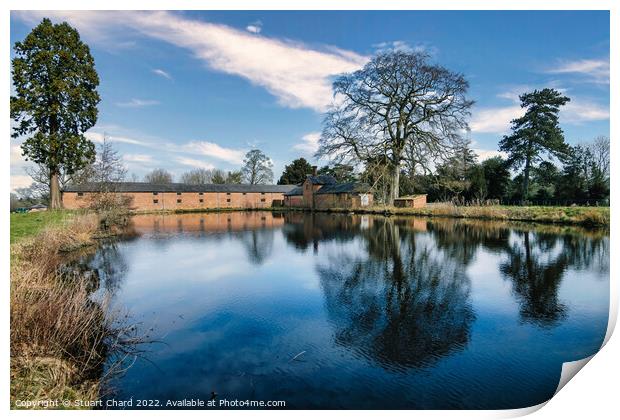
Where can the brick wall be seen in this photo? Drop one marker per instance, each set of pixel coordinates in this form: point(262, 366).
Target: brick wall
point(181, 201)
point(293, 200)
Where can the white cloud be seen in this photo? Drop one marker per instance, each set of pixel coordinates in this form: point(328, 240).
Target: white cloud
point(97, 137)
point(194, 163)
point(578, 111)
point(296, 74)
point(309, 144)
point(497, 119)
point(162, 73)
point(488, 154)
point(20, 181)
point(138, 158)
point(255, 27)
point(597, 71)
point(494, 119)
point(137, 103)
point(233, 156)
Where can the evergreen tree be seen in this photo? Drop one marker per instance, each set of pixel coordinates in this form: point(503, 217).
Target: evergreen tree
point(342, 172)
point(295, 173)
point(55, 100)
point(535, 133)
point(497, 178)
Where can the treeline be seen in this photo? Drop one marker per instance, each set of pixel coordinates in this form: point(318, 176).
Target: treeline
point(581, 176)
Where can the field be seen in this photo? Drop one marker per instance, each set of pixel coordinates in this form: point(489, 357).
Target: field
point(24, 225)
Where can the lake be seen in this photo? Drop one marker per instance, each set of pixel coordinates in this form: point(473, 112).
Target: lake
point(354, 311)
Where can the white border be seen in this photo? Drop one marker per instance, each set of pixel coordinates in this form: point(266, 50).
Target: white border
point(593, 394)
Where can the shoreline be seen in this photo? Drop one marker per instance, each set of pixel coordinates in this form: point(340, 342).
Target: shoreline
point(590, 217)
point(48, 360)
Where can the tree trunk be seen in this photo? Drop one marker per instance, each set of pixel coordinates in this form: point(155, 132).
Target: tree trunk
point(394, 184)
point(526, 181)
point(55, 201)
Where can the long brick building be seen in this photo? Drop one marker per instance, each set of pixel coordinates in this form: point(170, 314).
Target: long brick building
point(144, 196)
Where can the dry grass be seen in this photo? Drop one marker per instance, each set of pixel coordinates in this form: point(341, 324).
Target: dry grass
point(579, 216)
point(59, 336)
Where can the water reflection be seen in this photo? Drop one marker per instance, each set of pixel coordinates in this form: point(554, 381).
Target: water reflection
point(389, 312)
point(401, 303)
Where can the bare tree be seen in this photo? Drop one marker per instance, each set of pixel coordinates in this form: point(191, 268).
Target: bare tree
point(198, 176)
point(257, 168)
point(599, 148)
point(158, 176)
point(108, 167)
point(398, 106)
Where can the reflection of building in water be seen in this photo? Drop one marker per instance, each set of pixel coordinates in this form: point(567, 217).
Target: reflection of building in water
point(206, 222)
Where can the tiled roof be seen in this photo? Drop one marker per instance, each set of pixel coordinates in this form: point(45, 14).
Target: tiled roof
point(177, 187)
point(295, 191)
point(322, 179)
point(347, 187)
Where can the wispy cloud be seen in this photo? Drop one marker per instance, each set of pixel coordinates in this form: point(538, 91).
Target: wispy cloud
point(403, 46)
point(497, 119)
point(255, 27)
point(97, 137)
point(298, 75)
point(309, 144)
point(494, 119)
point(195, 163)
point(578, 111)
point(138, 158)
point(595, 70)
point(205, 148)
point(162, 73)
point(137, 103)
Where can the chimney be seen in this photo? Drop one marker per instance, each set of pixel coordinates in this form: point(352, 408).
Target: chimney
point(314, 170)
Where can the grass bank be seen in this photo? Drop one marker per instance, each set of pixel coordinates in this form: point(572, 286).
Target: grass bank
point(578, 216)
point(24, 225)
point(59, 336)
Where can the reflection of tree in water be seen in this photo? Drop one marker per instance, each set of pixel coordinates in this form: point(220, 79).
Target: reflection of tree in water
point(258, 243)
point(461, 240)
point(536, 264)
point(110, 265)
point(303, 229)
point(402, 304)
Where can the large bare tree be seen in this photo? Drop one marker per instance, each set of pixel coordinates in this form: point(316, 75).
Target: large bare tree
point(257, 168)
point(400, 107)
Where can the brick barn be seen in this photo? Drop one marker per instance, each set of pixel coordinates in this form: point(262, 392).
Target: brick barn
point(144, 196)
point(323, 192)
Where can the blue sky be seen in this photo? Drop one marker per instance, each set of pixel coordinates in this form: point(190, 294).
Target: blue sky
point(182, 90)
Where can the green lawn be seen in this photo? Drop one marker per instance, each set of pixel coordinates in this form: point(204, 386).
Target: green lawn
point(24, 225)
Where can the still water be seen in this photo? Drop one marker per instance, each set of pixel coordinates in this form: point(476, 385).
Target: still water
point(344, 311)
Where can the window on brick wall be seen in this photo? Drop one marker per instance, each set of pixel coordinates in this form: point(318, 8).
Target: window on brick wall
point(262, 193)
point(227, 193)
point(155, 201)
point(179, 200)
point(244, 193)
point(200, 193)
point(155, 193)
point(178, 193)
point(262, 200)
point(228, 200)
point(202, 200)
point(80, 194)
